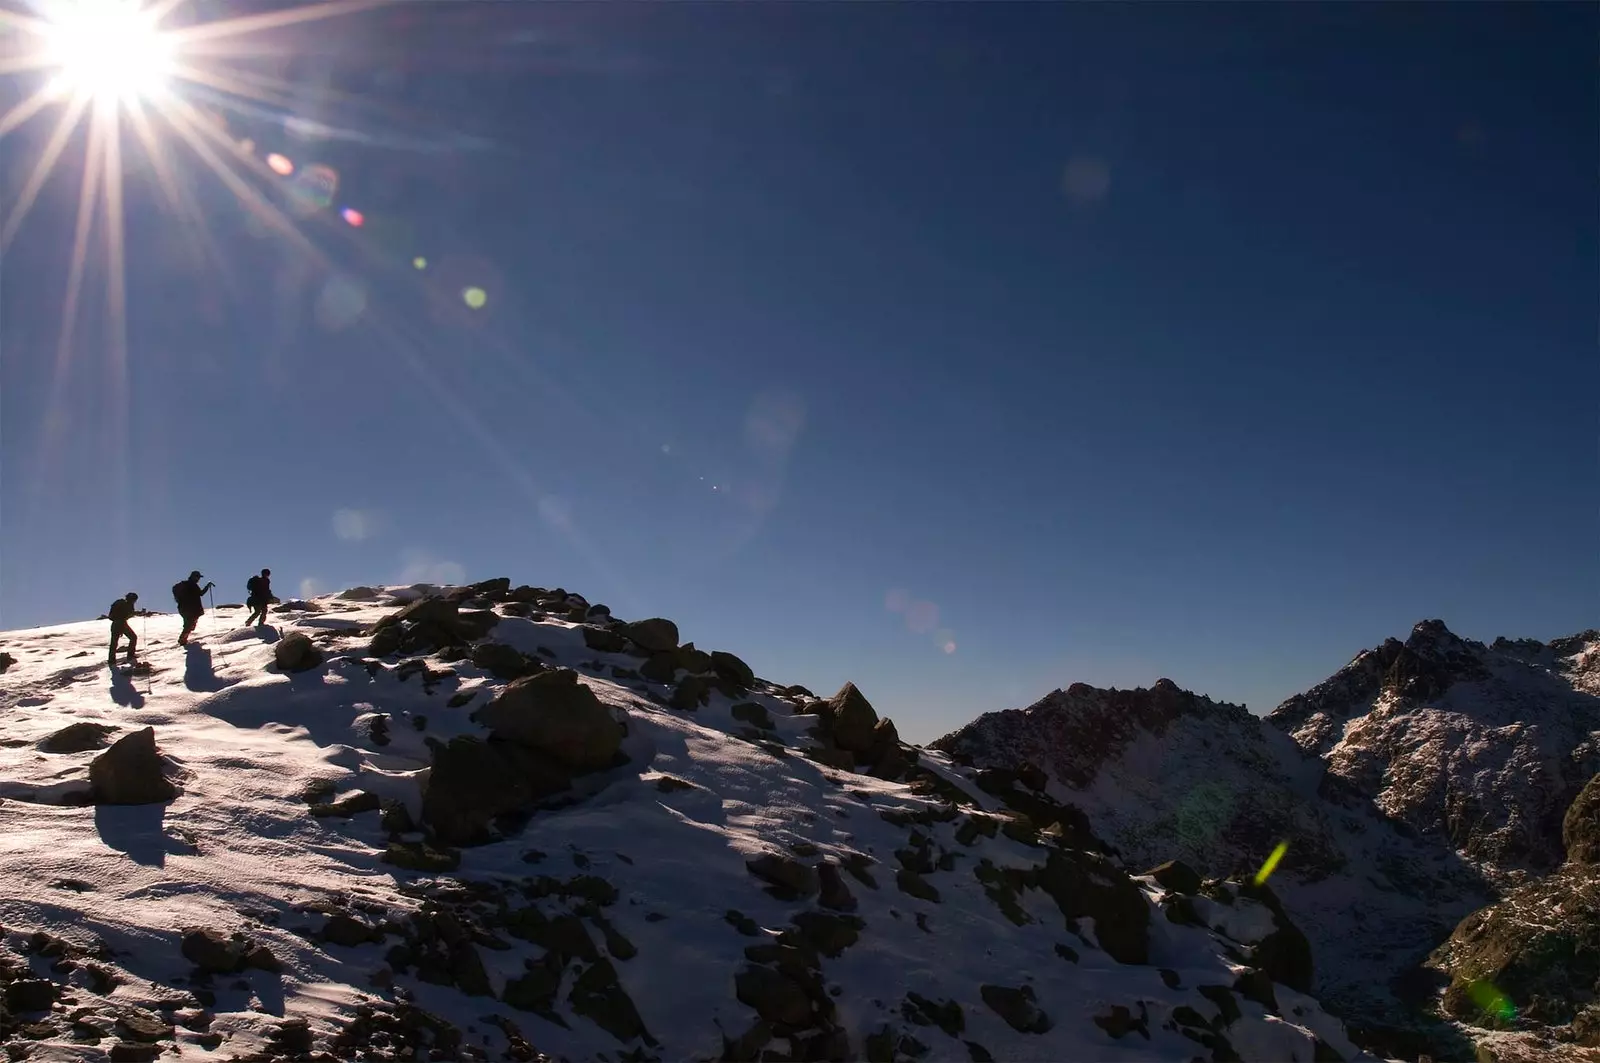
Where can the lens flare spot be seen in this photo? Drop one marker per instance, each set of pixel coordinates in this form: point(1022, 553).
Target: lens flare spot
point(475, 297)
point(280, 165)
point(1491, 1001)
point(341, 303)
point(313, 189)
point(419, 263)
point(1271, 864)
point(247, 146)
point(354, 218)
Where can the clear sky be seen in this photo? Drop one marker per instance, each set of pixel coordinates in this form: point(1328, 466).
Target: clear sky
point(964, 351)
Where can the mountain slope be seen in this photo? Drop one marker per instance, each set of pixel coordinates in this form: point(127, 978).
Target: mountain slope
point(495, 823)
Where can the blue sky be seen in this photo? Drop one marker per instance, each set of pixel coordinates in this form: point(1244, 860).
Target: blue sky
point(964, 351)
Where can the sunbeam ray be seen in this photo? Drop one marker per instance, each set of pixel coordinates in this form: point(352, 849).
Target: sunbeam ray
point(24, 110)
point(41, 170)
point(248, 24)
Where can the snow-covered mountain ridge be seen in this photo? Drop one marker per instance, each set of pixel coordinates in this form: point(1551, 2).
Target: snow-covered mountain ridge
point(497, 823)
point(1412, 787)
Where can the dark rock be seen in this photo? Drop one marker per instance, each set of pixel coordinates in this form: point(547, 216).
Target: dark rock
point(776, 997)
point(1580, 828)
point(692, 693)
point(731, 667)
point(30, 994)
point(785, 873)
point(419, 856)
point(474, 624)
point(468, 972)
point(473, 782)
point(1032, 776)
point(505, 662)
point(835, 894)
point(76, 738)
point(910, 882)
point(598, 612)
point(838, 759)
point(1087, 884)
point(349, 805)
point(660, 667)
point(657, 635)
point(1256, 985)
point(598, 996)
point(1119, 1022)
point(214, 952)
point(604, 640)
point(557, 715)
point(850, 719)
point(295, 652)
point(742, 923)
point(693, 661)
point(1176, 876)
point(345, 930)
point(139, 1025)
point(496, 589)
point(828, 933)
point(130, 772)
point(6, 661)
point(1018, 1007)
point(947, 1015)
point(1284, 954)
point(752, 713)
point(132, 1052)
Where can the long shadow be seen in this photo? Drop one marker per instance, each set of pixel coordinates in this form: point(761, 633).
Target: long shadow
point(137, 830)
point(123, 692)
point(198, 674)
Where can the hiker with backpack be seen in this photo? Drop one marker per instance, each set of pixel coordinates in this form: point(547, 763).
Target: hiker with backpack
point(260, 588)
point(119, 614)
point(190, 597)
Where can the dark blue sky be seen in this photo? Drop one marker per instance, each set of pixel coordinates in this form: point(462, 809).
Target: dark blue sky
point(965, 351)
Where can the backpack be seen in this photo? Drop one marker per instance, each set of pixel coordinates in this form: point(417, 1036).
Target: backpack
point(120, 610)
point(253, 585)
point(180, 592)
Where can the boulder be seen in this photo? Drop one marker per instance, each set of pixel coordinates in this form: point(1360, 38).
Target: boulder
point(657, 634)
point(554, 714)
point(599, 613)
point(504, 662)
point(214, 952)
point(496, 589)
point(851, 719)
point(785, 873)
point(692, 693)
point(604, 640)
point(693, 661)
point(1018, 1007)
point(76, 738)
point(730, 667)
point(473, 782)
point(776, 997)
point(295, 652)
point(6, 661)
point(474, 624)
point(1176, 877)
point(1580, 828)
point(660, 668)
point(1087, 884)
point(1032, 776)
point(130, 772)
point(752, 713)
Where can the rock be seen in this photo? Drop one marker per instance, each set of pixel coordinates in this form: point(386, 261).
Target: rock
point(1284, 954)
point(6, 661)
point(911, 883)
point(1119, 1022)
point(656, 634)
point(130, 772)
point(1018, 1007)
point(30, 994)
point(358, 594)
point(341, 929)
point(474, 624)
point(497, 588)
point(604, 640)
point(752, 713)
point(839, 759)
point(885, 741)
point(1580, 828)
point(140, 1025)
point(693, 661)
point(851, 719)
point(785, 873)
point(419, 856)
point(1032, 776)
point(556, 715)
point(505, 662)
point(214, 952)
point(1087, 884)
point(76, 738)
point(349, 805)
point(1177, 877)
point(835, 894)
point(691, 693)
point(132, 1052)
point(295, 652)
point(598, 996)
point(598, 612)
point(473, 782)
point(775, 997)
point(468, 972)
point(828, 933)
point(660, 667)
point(730, 667)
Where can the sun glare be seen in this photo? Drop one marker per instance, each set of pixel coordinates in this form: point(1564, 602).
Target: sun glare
point(109, 50)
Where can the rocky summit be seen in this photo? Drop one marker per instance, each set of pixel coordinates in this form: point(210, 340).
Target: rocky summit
point(497, 822)
point(1436, 801)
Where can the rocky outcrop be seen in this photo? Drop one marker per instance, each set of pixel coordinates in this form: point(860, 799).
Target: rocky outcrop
point(1580, 827)
point(76, 738)
point(556, 715)
point(295, 652)
point(131, 772)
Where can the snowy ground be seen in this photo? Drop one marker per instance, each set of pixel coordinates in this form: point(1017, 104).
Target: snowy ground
point(238, 850)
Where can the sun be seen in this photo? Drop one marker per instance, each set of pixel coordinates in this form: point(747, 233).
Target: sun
point(110, 51)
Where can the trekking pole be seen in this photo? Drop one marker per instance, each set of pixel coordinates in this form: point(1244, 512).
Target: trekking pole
point(212, 594)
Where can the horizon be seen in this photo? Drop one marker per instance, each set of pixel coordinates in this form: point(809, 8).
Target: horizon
point(963, 353)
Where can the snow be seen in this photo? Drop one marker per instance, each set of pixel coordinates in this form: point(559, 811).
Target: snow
point(237, 850)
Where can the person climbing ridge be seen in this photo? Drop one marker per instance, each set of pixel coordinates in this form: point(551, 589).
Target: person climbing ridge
point(119, 614)
point(260, 588)
point(190, 597)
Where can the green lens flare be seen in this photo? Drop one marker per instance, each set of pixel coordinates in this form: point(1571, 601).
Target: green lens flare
point(1491, 1001)
point(474, 297)
point(1272, 863)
